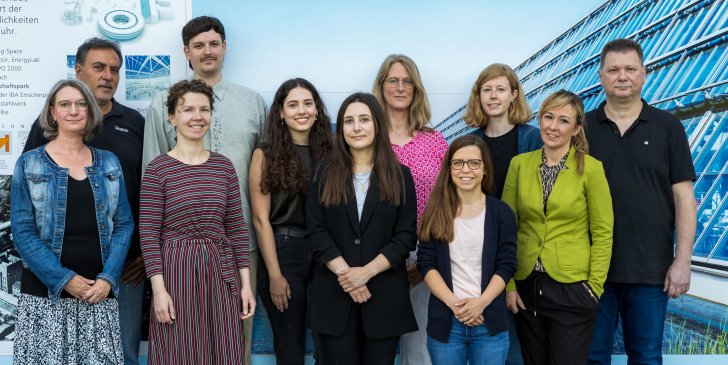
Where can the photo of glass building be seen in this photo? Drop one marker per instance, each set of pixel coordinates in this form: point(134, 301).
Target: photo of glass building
point(685, 51)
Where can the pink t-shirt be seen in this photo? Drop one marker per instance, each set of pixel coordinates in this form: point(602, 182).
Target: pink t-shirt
point(423, 155)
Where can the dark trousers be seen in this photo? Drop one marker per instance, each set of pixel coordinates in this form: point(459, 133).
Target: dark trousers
point(557, 324)
point(355, 348)
point(289, 326)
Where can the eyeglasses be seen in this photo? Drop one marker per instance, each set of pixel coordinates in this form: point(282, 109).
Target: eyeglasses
point(459, 164)
point(65, 105)
point(393, 82)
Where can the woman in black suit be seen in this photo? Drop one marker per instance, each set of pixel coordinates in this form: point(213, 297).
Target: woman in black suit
point(361, 225)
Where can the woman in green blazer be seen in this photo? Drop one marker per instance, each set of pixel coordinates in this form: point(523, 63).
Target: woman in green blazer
point(563, 208)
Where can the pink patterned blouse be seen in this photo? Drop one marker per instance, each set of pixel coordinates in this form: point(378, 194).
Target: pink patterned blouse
point(423, 155)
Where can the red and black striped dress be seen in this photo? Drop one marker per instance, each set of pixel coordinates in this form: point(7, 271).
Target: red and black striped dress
point(193, 233)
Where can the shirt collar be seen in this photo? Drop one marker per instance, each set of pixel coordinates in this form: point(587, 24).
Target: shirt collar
point(644, 113)
point(218, 90)
point(116, 109)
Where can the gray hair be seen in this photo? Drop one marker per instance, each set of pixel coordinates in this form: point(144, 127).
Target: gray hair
point(93, 120)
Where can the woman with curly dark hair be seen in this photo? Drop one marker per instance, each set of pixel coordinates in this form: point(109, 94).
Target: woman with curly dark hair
point(298, 135)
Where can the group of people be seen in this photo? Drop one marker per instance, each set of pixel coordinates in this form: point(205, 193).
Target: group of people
point(513, 244)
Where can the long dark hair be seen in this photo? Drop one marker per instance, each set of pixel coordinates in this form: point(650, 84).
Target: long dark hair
point(442, 208)
point(284, 169)
point(336, 180)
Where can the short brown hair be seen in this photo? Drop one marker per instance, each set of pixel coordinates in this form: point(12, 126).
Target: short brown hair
point(178, 90)
point(93, 118)
point(621, 45)
point(518, 112)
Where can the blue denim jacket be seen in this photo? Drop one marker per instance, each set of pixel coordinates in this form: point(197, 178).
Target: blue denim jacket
point(529, 137)
point(38, 216)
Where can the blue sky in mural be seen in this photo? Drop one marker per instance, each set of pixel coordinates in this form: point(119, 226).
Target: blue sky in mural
point(340, 45)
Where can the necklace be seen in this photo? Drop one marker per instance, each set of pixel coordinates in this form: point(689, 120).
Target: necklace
point(363, 183)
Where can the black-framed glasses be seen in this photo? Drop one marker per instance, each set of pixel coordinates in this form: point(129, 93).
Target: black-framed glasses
point(472, 164)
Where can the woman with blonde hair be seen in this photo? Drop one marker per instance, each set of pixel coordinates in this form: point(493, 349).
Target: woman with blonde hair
point(564, 213)
point(497, 107)
point(399, 90)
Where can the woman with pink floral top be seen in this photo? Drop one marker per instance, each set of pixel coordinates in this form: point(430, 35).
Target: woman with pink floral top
point(399, 90)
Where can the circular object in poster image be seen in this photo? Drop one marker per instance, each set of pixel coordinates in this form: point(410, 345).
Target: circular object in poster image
point(121, 24)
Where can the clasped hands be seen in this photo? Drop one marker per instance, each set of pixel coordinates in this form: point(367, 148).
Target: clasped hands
point(469, 311)
point(353, 280)
point(91, 291)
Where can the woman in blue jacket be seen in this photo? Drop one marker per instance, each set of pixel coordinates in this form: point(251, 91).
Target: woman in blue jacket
point(467, 254)
point(497, 107)
point(71, 226)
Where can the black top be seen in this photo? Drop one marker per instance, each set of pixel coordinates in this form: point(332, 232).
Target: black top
point(502, 150)
point(288, 208)
point(81, 250)
point(122, 133)
point(641, 168)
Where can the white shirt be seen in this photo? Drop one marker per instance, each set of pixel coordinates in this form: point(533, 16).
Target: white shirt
point(466, 256)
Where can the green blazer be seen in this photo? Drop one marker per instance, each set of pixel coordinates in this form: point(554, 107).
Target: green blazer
point(574, 238)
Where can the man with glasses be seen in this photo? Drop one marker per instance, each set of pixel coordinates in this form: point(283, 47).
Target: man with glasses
point(235, 128)
point(98, 62)
point(650, 172)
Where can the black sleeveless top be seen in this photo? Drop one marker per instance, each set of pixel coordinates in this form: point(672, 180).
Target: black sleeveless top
point(288, 208)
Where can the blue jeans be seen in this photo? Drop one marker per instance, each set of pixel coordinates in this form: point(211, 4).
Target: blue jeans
point(472, 345)
point(514, 350)
point(130, 320)
point(642, 308)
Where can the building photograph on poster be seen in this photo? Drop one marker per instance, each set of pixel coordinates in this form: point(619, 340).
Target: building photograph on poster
point(339, 47)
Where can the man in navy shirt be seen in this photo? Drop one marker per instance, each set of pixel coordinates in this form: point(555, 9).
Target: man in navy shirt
point(650, 171)
point(98, 62)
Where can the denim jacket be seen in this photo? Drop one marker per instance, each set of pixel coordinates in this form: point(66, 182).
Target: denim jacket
point(529, 137)
point(38, 216)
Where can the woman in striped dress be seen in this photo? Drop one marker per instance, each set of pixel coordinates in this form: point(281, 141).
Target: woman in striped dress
point(194, 242)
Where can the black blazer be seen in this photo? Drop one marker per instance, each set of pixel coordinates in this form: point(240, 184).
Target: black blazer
point(499, 258)
point(337, 231)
